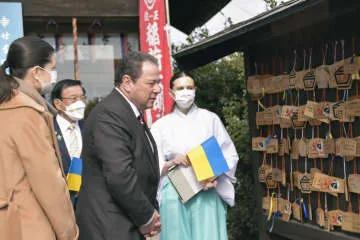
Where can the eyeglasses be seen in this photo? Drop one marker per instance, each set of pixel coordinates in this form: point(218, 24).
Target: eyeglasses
point(75, 98)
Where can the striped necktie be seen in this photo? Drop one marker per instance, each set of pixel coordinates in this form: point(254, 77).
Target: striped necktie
point(74, 142)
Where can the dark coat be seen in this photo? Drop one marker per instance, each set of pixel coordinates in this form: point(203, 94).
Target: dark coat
point(120, 173)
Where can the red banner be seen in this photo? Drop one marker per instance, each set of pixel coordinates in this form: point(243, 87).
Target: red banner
point(153, 40)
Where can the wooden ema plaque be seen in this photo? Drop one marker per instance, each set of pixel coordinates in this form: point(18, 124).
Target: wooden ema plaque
point(300, 79)
point(270, 182)
point(320, 217)
point(338, 112)
point(296, 211)
point(310, 109)
point(284, 146)
point(305, 183)
point(320, 147)
point(295, 149)
point(258, 144)
point(353, 108)
point(357, 140)
point(335, 218)
point(283, 178)
point(264, 118)
point(297, 124)
point(272, 146)
point(333, 68)
point(351, 222)
point(262, 144)
point(279, 176)
point(301, 114)
point(263, 171)
point(309, 209)
point(327, 110)
point(322, 112)
point(324, 183)
point(285, 123)
point(286, 210)
point(296, 178)
point(276, 84)
point(354, 183)
point(287, 111)
point(343, 81)
point(351, 65)
point(317, 112)
point(314, 122)
point(292, 79)
point(276, 174)
point(268, 84)
point(316, 148)
point(266, 203)
point(322, 76)
point(345, 147)
point(303, 147)
point(312, 173)
point(309, 81)
point(327, 222)
point(276, 110)
point(254, 85)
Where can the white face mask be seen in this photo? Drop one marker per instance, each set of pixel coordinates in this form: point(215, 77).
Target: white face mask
point(47, 87)
point(184, 98)
point(76, 110)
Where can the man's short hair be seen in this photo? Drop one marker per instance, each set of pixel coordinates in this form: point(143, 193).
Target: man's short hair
point(61, 85)
point(132, 65)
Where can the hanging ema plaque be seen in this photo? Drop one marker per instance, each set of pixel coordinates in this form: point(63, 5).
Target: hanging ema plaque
point(292, 79)
point(263, 171)
point(309, 81)
point(305, 183)
point(343, 81)
point(270, 182)
point(320, 217)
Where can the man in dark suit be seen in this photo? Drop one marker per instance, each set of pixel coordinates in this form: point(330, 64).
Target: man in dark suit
point(117, 199)
point(68, 97)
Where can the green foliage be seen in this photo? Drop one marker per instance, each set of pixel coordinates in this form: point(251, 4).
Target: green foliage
point(273, 3)
point(221, 89)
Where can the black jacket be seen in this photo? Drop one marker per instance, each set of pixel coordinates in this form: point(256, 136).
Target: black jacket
point(120, 173)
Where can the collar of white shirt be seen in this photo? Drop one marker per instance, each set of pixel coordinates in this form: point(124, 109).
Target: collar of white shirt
point(63, 123)
point(132, 105)
point(181, 114)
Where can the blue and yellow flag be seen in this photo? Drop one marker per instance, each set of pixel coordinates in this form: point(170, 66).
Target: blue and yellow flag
point(208, 160)
point(74, 175)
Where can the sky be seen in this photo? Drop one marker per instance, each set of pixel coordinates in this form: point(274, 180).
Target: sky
point(237, 10)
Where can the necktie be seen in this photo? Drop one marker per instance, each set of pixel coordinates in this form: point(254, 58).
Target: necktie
point(147, 131)
point(74, 142)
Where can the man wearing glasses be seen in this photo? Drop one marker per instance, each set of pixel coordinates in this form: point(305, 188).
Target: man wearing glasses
point(68, 97)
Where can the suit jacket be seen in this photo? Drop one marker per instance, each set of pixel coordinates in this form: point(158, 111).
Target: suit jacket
point(120, 173)
point(65, 156)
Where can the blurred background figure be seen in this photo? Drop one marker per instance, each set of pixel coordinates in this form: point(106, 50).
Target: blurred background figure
point(69, 97)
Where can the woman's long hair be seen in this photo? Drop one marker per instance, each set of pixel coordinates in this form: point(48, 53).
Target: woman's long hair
point(24, 53)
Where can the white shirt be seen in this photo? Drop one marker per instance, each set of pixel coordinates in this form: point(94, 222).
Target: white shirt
point(177, 133)
point(65, 131)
